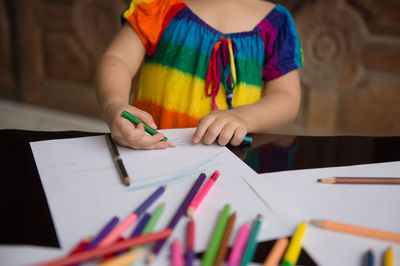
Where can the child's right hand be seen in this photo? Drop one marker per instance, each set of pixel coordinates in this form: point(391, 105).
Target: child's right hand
point(129, 135)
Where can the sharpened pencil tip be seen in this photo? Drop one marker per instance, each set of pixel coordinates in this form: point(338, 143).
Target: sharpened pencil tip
point(150, 259)
point(190, 212)
point(170, 143)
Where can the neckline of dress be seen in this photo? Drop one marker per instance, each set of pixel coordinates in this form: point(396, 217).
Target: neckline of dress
point(211, 28)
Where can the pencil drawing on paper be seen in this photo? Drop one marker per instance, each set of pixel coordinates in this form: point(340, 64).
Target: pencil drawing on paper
point(186, 171)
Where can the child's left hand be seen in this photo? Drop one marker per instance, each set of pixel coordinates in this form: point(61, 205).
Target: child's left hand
point(226, 125)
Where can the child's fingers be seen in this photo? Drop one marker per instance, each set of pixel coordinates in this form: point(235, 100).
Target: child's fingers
point(202, 127)
point(238, 136)
point(213, 132)
point(226, 134)
point(146, 118)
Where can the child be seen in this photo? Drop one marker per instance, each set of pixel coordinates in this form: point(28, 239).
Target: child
point(203, 64)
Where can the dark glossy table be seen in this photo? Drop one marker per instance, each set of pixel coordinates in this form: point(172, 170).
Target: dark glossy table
point(26, 217)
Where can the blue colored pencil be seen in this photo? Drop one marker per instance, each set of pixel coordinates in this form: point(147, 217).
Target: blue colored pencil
point(369, 258)
point(142, 223)
point(179, 213)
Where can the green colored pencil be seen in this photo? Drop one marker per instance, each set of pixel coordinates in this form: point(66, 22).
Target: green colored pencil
point(151, 224)
point(148, 129)
point(251, 242)
point(211, 253)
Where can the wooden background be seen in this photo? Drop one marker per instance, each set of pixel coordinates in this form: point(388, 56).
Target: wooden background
point(351, 80)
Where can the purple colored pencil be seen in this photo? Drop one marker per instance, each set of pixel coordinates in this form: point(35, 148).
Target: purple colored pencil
point(106, 229)
point(179, 213)
point(150, 200)
point(189, 257)
point(142, 223)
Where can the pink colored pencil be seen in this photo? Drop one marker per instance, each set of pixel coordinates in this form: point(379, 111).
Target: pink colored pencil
point(177, 253)
point(130, 219)
point(202, 193)
point(239, 245)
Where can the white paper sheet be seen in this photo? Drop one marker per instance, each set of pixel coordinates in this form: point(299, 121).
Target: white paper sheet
point(84, 190)
point(296, 196)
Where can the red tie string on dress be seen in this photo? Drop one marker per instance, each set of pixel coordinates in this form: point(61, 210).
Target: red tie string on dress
point(224, 50)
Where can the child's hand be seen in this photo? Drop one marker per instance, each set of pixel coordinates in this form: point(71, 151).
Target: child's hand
point(226, 125)
point(129, 135)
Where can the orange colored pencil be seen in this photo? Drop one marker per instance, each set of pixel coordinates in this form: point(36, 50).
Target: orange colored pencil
point(357, 230)
point(100, 251)
point(276, 253)
point(223, 247)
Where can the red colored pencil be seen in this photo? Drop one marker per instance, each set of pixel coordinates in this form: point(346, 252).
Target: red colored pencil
point(101, 251)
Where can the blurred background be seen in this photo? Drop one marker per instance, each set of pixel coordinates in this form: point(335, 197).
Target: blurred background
point(49, 50)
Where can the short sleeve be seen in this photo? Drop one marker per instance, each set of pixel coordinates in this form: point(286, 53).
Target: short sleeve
point(149, 18)
point(283, 52)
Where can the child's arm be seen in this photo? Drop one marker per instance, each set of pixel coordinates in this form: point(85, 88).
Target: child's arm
point(277, 108)
point(117, 67)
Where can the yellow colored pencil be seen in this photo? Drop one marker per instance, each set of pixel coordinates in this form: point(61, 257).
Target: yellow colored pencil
point(389, 257)
point(293, 251)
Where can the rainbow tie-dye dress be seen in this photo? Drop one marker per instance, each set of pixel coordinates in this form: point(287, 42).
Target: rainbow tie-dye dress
point(191, 68)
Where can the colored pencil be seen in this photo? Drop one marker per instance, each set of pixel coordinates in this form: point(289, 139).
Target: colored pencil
point(81, 246)
point(155, 217)
point(148, 129)
point(133, 254)
point(177, 216)
point(190, 235)
point(389, 257)
point(101, 251)
point(103, 232)
point(124, 259)
point(202, 193)
point(130, 219)
point(293, 251)
point(176, 253)
point(357, 230)
point(252, 242)
point(140, 226)
point(275, 255)
point(361, 180)
point(118, 160)
point(211, 253)
point(223, 247)
point(236, 253)
point(369, 258)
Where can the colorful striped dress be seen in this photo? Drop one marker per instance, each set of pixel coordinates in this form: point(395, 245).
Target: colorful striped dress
point(191, 68)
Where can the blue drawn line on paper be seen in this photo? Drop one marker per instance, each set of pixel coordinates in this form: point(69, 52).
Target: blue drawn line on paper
point(188, 171)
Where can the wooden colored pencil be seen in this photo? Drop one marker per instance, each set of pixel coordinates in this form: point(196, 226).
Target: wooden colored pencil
point(361, 180)
point(251, 242)
point(101, 251)
point(118, 160)
point(103, 232)
point(223, 247)
point(236, 253)
point(130, 219)
point(276, 253)
point(177, 253)
point(369, 258)
point(293, 251)
point(177, 216)
point(190, 235)
point(357, 230)
point(389, 257)
point(148, 129)
point(126, 258)
point(202, 193)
